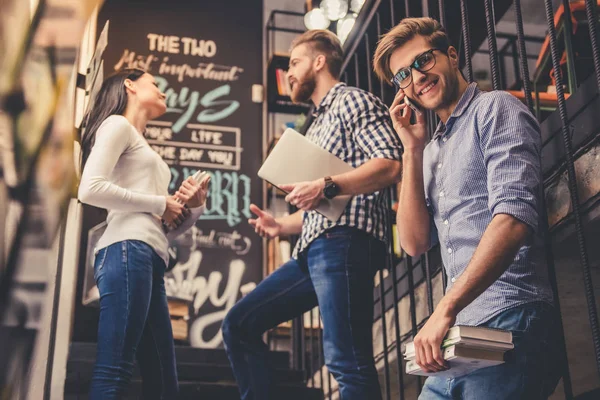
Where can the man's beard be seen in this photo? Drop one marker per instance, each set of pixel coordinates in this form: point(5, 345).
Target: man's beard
point(305, 89)
point(451, 93)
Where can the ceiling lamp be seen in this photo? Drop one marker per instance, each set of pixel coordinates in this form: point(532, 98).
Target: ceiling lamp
point(356, 5)
point(344, 27)
point(316, 19)
point(334, 9)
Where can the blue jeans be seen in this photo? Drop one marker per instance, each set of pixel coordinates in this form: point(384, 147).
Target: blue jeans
point(134, 320)
point(336, 272)
point(531, 370)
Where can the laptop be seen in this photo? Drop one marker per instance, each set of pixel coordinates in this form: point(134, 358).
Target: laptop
point(296, 159)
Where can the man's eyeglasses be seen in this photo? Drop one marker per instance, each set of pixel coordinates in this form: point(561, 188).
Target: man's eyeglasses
point(423, 62)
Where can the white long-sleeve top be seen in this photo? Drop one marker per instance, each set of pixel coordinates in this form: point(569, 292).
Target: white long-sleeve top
point(130, 180)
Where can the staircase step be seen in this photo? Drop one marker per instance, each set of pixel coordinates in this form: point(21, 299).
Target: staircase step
point(80, 372)
point(183, 354)
point(208, 391)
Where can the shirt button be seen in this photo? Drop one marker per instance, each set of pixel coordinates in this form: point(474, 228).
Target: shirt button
point(445, 139)
point(446, 222)
point(440, 166)
point(449, 250)
point(453, 280)
point(441, 194)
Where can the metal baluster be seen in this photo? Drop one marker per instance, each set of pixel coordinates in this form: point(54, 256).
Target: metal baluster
point(392, 266)
point(464, 20)
point(522, 61)
point(356, 72)
point(310, 369)
point(502, 64)
point(490, 25)
point(381, 285)
point(587, 278)
point(592, 17)
point(320, 345)
point(413, 304)
point(442, 13)
point(425, 262)
point(523, 55)
point(431, 116)
point(568, 37)
point(517, 66)
point(394, 274)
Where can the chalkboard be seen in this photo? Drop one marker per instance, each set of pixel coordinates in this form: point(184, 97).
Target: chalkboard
point(205, 56)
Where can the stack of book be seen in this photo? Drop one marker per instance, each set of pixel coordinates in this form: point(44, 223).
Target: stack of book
point(179, 311)
point(465, 349)
point(283, 84)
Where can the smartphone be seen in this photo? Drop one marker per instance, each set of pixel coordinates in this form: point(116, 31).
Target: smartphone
point(200, 176)
point(412, 105)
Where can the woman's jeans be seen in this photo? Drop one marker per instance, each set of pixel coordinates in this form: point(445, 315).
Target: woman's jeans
point(134, 321)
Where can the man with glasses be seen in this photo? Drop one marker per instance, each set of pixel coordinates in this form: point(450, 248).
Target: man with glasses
point(475, 189)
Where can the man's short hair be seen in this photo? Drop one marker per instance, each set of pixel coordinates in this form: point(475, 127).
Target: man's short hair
point(399, 35)
point(323, 42)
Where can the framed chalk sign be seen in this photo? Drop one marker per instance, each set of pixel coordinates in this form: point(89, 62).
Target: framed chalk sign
point(206, 62)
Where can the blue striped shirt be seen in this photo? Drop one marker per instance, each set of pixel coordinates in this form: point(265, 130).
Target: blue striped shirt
point(486, 161)
point(355, 126)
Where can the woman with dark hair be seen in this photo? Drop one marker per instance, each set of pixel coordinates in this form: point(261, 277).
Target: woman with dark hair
point(122, 174)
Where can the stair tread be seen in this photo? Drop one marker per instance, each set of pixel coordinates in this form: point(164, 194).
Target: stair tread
point(210, 391)
point(82, 370)
point(185, 354)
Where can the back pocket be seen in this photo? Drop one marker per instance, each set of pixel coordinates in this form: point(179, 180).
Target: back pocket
point(99, 262)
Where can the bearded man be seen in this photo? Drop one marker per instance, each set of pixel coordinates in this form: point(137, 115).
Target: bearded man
point(334, 263)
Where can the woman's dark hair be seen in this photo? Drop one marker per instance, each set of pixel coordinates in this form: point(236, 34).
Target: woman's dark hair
point(110, 100)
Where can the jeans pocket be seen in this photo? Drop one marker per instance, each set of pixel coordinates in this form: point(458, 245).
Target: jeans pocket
point(532, 334)
point(99, 262)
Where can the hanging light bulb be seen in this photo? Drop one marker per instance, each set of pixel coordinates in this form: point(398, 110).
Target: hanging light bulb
point(334, 9)
point(316, 19)
point(356, 5)
point(344, 27)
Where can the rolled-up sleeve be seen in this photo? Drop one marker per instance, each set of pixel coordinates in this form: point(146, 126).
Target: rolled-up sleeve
point(369, 121)
point(511, 144)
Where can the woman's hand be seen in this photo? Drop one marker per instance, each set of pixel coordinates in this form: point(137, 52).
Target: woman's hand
point(193, 194)
point(175, 212)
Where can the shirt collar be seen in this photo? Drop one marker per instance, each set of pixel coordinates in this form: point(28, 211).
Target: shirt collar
point(329, 97)
point(459, 110)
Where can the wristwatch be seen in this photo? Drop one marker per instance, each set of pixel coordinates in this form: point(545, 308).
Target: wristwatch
point(331, 189)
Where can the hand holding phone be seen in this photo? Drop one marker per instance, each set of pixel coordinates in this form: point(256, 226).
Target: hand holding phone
point(413, 135)
point(412, 105)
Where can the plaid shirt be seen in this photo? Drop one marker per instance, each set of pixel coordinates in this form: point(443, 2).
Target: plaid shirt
point(354, 126)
